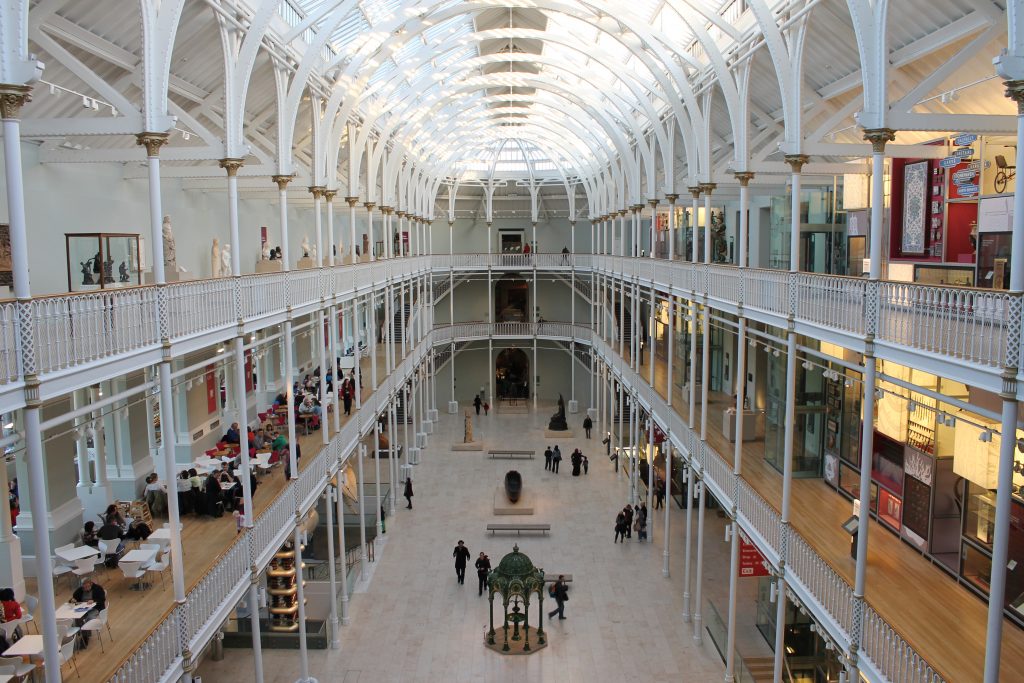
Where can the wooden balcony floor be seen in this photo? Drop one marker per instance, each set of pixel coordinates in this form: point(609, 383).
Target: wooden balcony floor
point(942, 620)
point(133, 614)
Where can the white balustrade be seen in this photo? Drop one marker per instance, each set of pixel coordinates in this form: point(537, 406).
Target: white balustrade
point(833, 301)
point(891, 655)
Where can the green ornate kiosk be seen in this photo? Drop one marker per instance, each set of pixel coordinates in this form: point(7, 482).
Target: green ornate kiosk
point(516, 580)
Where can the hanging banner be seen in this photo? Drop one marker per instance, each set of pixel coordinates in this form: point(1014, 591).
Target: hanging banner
point(752, 562)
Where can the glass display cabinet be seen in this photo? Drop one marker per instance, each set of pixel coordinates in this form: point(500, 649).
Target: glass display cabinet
point(102, 260)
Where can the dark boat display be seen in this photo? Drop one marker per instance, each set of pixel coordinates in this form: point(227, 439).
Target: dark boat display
point(513, 485)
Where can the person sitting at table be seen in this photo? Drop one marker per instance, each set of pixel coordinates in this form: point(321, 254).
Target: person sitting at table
point(212, 497)
point(112, 532)
point(280, 443)
point(259, 440)
point(155, 494)
point(308, 407)
point(89, 535)
point(113, 516)
point(89, 591)
point(12, 608)
point(138, 530)
point(233, 435)
point(197, 490)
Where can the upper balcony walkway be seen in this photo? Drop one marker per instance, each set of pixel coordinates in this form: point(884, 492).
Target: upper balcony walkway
point(72, 340)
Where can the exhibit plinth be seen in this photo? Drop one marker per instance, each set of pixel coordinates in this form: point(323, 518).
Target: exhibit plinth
point(558, 434)
point(305, 263)
point(269, 266)
point(516, 647)
point(503, 506)
point(471, 446)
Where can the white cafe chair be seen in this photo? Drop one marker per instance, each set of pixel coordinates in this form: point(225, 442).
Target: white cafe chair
point(98, 624)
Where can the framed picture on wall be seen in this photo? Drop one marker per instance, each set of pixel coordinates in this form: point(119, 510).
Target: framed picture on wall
point(915, 207)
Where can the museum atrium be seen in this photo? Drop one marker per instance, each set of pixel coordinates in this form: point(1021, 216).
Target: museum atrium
point(315, 251)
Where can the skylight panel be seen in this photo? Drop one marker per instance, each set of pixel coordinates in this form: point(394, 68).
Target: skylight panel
point(352, 27)
point(385, 70)
point(379, 11)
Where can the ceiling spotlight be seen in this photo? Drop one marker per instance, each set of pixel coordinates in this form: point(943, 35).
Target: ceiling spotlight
point(775, 352)
point(848, 383)
point(85, 102)
point(807, 365)
point(912, 406)
point(985, 436)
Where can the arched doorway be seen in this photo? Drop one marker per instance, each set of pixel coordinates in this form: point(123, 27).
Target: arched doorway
point(512, 374)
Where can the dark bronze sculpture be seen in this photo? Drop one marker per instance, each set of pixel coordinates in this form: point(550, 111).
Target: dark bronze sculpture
point(558, 423)
point(513, 485)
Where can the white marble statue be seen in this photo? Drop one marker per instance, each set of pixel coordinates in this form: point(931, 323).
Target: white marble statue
point(215, 262)
point(170, 253)
point(312, 254)
point(266, 251)
point(225, 261)
point(305, 247)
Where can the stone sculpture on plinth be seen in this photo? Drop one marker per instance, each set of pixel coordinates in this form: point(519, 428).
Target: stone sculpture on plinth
point(557, 422)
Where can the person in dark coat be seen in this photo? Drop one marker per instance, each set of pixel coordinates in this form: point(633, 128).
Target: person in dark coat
point(628, 511)
point(212, 491)
point(477, 403)
point(577, 460)
point(461, 555)
point(547, 458)
point(556, 457)
point(483, 566)
point(620, 526)
point(561, 595)
point(408, 493)
point(588, 424)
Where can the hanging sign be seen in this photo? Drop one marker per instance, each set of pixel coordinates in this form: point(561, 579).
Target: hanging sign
point(752, 562)
point(950, 162)
point(964, 152)
point(968, 190)
point(964, 139)
point(966, 175)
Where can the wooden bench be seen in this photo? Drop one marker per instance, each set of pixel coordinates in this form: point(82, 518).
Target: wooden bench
point(551, 578)
point(512, 455)
point(519, 528)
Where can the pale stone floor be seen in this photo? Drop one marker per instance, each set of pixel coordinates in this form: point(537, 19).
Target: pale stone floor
point(416, 624)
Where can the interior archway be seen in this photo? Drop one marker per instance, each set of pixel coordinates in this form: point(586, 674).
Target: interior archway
point(512, 374)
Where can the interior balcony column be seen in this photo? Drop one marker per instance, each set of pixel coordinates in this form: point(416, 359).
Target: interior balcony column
point(635, 337)
point(689, 495)
point(671, 350)
point(405, 422)
point(619, 415)
point(744, 178)
point(282, 190)
point(622, 231)
point(386, 232)
point(322, 347)
point(734, 549)
point(705, 374)
point(339, 503)
point(451, 240)
point(336, 367)
point(389, 329)
point(878, 138)
point(369, 230)
point(374, 345)
point(649, 498)
point(490, 249)
point(377, 512)
point(692, 384)
point(671, 198)
point(414, 236)
point(652, 333)
point(402, 321)
point(243, 426)
point(392, 445)
point(698, 629)
point(331, 578)
point(357, 353)
point(361, 483)
point(12, 98)
point(318, 195)
point(354, 253)
point(654, 224)
point(695, 224)
point(333, 252)
point(637, 248)
point(301, 599)
point(665, 503)
point(707, 189)
point(620, 286)
point(232, 166)
point(1008, 429)
point(289, 392)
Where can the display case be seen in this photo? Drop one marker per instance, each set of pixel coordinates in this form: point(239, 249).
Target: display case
point(102, 260)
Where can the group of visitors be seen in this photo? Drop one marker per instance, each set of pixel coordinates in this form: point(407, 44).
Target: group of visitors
point(211, 495)
point(630, 519)
point(552, 457)
point(578, 459)
point(480, 403)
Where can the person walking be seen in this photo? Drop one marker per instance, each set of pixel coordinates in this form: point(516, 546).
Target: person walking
point(588, 424)
point(659, 494)
point(408, 493)
point(628, 511)
point(620, 526)
point(561, 595)
point(586, 464)
point(483, 566)
point(547, 458)
point(477, 403)
point(461, 555)
point(556, 457)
